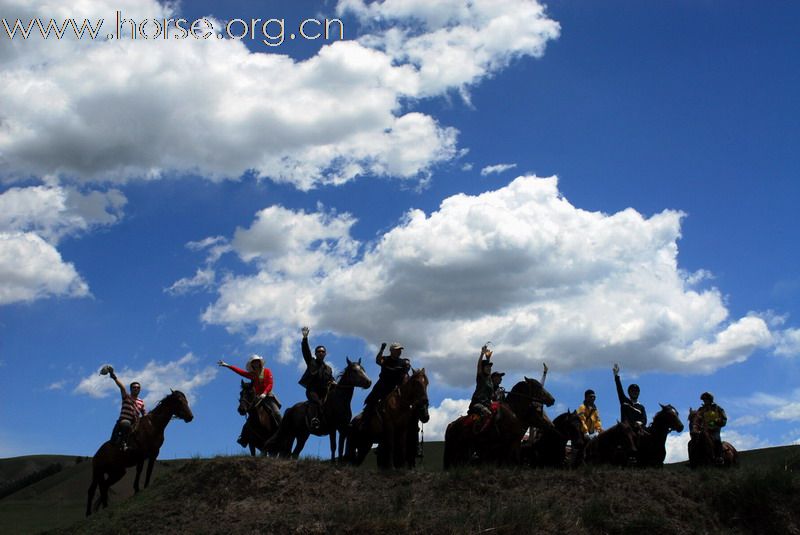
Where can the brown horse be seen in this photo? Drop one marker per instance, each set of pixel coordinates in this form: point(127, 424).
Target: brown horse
point(701, 445)
point(501, 441)
point(550, 446)
point(616, 445)
point(260, 424)
point(335, 410)
point(110, 461)
point(651, 448)
point(397, 416)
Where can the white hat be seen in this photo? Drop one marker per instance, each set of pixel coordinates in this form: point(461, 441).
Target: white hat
point(250, 361)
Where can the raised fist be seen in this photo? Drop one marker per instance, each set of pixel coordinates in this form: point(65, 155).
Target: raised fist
point(305, 332)
point(616, 369)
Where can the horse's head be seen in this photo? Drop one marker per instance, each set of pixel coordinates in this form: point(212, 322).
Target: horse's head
point(695, 426)
point(354, 375)
point(179, 405)
point(668, 418)
point(569, 425)
point(532, 390)
point(246, 397)
point(415, 393)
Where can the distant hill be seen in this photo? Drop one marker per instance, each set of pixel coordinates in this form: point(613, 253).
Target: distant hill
point(243, 495)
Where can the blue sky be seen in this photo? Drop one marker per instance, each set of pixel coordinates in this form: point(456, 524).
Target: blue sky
point(580, 183)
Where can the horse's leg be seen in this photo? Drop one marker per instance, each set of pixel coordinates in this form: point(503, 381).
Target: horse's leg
point(150, 462)
point(113, 477)
point(92, 489)
point(139, 466)
point(332, 437)
point(302, 437)
point(342, 441)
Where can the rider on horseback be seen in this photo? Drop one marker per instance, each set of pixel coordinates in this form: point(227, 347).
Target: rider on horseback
point(261, 378)
point(132, 409)
point(631, 410)
point(714, 418)
point(481, 403)
point(394, 372)
point(589, 415)
point(316, 379)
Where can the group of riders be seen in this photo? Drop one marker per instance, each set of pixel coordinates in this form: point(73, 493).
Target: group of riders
point(489, 393)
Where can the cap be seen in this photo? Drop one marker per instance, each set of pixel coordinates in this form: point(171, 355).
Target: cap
point(707, 395)
point(498, 374)
point(588, 393)
point(395, 345)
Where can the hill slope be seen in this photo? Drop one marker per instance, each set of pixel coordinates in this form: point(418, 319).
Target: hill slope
point(242, 495)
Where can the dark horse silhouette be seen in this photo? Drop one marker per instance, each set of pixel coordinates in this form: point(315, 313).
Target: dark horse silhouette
point(701, 445)
point(260, 425)
point(336, 414)
point(110, 461)
point(616, 445)
point(390, 427)
point(499, 442)
point(651, 448)
point(549, 448)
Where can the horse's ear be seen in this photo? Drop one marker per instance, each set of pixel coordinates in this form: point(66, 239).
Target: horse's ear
point(171, 391)
point(526, 377)
point(359, 361)
point(348, 361)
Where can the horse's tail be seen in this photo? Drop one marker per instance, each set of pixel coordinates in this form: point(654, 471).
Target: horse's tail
point(451, 450)
point(277, 443)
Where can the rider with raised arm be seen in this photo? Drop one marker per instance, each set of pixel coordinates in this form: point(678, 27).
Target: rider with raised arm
point(261, 378)
point(631, 410)
point(316, 379)
point(481, 402)
point(394, 372)
point(132, 408)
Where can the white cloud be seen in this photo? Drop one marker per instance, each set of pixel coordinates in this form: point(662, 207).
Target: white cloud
point(31, 268)
point(497, 169)
point(453, 43)
point(156, 378)
point(788, 343)
point(58, 385)
point(53, 212)
point(203, 279)
point(131, 109)
point(772, 406)
point(447, 411)
point(677, 447)
point(520, 266)
point(32, 222)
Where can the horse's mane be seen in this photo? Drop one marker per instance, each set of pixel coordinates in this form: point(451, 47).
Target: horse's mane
point(563, 416)
point(173, 394)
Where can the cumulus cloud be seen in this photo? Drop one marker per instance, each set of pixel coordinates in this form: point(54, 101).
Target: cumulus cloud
point(131, 109)
point(157, 379)
point(447, 411)
point(788, 343)
point(53, 212)
point(519, 266)
point(677, 447)
point(32, 222)
point(31, 268)
point(497, 169)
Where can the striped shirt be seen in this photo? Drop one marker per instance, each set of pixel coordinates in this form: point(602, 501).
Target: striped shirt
point(131, 409)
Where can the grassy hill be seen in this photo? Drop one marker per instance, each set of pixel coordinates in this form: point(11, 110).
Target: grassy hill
point(243, 495)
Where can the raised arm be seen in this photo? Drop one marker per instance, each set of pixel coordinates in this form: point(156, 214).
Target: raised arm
point(623, 399)
point(234, 369)
point(544, 373)
point(484, 351)
point(119, 384)
point(304, 345)
point(379, 356)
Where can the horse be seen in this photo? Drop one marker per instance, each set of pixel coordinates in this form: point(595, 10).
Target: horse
point(391, 425)
point(616, 445)
point(651, 449)
point(550, 446)
point(260, 424)
point(701, 445)
point(499, 442)
point(110, 461)
point(336, 414)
